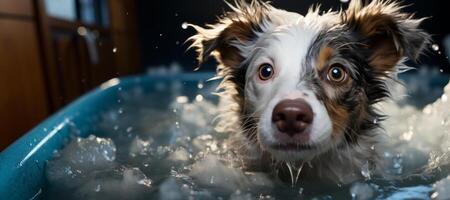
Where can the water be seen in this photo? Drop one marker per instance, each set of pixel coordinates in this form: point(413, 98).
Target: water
point(163, 145)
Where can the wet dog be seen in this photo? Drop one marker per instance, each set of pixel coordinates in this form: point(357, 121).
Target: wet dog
point(303, 89)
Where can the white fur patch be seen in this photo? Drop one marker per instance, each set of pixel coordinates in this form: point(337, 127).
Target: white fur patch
point(284, 43)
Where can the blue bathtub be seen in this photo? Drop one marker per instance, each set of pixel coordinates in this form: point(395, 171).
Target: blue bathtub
point(22, 164)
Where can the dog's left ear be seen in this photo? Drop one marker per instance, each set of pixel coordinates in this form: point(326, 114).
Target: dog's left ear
point(386, 33)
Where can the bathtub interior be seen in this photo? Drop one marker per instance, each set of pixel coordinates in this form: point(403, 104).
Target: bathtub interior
point(155, 138)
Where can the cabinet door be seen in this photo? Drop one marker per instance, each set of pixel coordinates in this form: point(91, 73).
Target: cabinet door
point(71, 63)
point(23, 99)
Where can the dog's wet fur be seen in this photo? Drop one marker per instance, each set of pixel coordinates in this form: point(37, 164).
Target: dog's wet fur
point(368, 41)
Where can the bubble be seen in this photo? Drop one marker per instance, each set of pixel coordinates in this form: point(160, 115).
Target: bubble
point(82, 30)
point(182, 99)
point(200, 85)
point(199, 98)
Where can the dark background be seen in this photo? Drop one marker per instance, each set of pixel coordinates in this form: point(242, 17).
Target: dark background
point(162, 37)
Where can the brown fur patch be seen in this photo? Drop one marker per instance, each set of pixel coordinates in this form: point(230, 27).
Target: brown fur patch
point(386, 56)
point(325, 55)
point(339, 117)
point(377, 23)
point(237, 31)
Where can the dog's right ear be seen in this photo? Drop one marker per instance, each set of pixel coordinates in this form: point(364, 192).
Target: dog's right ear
point(225, 39)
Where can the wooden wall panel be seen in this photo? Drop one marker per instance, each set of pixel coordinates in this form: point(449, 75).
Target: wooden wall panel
point(17, 7)
point(125, 34)
point(23, 99)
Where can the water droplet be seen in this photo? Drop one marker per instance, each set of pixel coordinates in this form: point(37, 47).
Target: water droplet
point(146, 182)
point(353, 195)
point(177, 43)
point(200, 85)
point(398, 167)
point(365, 170)
point(375, 121)
point(441, 70)
point(160, 35)
point(184, 25)
point(129, 129)
point(98, 188)
point(435, 47)
point(114, 50)
point(434, 195)
point(116, 127)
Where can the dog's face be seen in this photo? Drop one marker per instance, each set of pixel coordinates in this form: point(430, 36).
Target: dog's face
point(306, 84)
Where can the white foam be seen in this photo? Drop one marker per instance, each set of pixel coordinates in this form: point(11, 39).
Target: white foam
point(211, 172)
point(179, 155)
point(442, 189)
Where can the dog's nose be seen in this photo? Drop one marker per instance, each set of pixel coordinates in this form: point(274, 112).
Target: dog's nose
point(292, 116)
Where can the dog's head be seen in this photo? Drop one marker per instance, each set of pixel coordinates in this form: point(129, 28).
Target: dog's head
point(305, 85)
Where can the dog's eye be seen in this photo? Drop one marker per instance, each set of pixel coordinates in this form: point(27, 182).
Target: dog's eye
point(265, 72)
point(337, 73)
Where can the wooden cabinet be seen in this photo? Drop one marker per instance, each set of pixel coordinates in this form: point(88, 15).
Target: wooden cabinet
point(81, 55)
point(46, 62)
point(18, 8)
point(23, 97)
